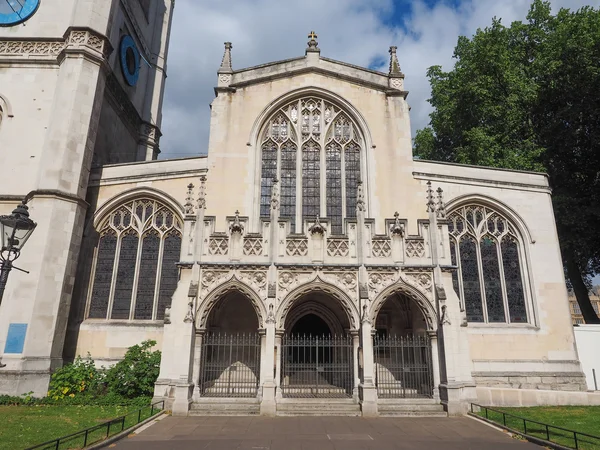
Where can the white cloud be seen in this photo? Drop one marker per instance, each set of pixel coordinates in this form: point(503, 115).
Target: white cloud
point(355, 31)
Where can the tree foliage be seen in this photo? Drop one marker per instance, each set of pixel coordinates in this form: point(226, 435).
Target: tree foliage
point(527, 97)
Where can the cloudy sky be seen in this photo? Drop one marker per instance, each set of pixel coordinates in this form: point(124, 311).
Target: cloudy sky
point(355, 31)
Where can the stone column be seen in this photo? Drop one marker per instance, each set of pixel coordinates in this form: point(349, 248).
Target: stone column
point(355, 354)
point(278, 350)
point(197, 362)
point(435, 364)
point(268, 404)
point(367, 389)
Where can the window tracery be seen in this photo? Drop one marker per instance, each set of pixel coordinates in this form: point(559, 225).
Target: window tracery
point(135, 272)
point(323, 178)
point(486, 248)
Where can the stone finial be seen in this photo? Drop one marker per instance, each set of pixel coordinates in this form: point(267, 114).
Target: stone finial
point(441, 205)
point(226, 62)
point(313, 45)
point(317, 227)
point(394, 64)
point(397, 229)
point(202, 193)
point(236, 226)
point(430, 199)
point(360, 197)
point(275, 195)
point(189, 199)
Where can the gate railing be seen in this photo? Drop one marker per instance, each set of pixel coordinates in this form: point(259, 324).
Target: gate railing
point(230, 365)
point(317, 366)
point(403, 366)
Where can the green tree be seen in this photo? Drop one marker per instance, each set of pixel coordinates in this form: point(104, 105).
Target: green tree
point(527, 97)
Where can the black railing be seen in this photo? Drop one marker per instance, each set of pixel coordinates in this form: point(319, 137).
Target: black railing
point(317, 367)
point(103, 431)
point(230, 365)
point(539, 430)
point(403, 367)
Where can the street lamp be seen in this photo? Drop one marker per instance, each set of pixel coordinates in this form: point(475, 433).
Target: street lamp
point(15, 229)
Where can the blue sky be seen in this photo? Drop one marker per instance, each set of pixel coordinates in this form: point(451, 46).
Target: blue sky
point(355, 31)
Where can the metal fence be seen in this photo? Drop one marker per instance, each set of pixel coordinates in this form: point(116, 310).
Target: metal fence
point(403, 367)
point(103, 431)
point(539, 430)
point(317, 367)
point(230, 365)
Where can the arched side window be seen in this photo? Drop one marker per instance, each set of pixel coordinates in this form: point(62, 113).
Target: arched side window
point(314, 148)
point(135, 272)
point(488, 251)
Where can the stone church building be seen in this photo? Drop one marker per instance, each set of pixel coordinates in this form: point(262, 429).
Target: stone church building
point(308, 264)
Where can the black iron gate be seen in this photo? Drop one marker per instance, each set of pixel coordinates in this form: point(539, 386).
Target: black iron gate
point(313, 367)
point(403, 367)
point(230, 365)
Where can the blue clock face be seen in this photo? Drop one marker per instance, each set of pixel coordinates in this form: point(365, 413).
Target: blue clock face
point(13, 12)
point(130, 60)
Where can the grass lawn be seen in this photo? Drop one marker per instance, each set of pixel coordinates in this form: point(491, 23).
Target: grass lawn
point(25, 426)
point(584, 419)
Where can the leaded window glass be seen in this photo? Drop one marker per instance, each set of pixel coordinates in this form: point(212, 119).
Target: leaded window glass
point(485, 247)
point(326, 138)
point(135, 272)
point(333, 167)
point(311, 180)
point(269, 173)
point(288, 182)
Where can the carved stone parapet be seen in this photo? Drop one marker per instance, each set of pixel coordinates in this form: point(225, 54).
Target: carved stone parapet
point(149, 134)
point(47, 49)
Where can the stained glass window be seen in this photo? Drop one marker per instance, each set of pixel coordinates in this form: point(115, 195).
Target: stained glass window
point(144, 302)
point(320, 131)
point(352, 162)
point(333, 167)
point(269, 172)
point(485, 246)
point(105, 261)
point(137, 263)
point(288, 182)
point(514, 283)
point(491, 280)
point(470, 276)
point(311, 180)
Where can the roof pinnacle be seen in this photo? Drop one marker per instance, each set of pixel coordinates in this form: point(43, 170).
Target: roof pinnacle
point(394, 64)
point(226, 62)
point(313, 45)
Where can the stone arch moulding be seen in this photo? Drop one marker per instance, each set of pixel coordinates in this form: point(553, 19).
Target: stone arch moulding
point(6, 106)
point(425, 306)
point(319, 310)
point(132, 194)
point(233, 284)
point(281, 101)
point(322, 287)
point(493, 203)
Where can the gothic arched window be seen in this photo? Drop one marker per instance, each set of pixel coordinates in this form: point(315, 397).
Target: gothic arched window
point(314, 149)
point(487, 250)
point(135, 272)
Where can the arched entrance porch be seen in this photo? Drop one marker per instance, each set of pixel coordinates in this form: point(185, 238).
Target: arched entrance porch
point(318, 347)
point(231, 349)
point(402, 349)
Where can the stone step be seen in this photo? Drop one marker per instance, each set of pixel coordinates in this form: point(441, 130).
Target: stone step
point(411, 408)
point(318, 407)
point(225, 407)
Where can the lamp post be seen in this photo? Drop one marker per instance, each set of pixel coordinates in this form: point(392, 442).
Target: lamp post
point(15, 229)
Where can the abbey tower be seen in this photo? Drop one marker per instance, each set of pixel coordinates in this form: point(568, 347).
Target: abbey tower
point(81, 85)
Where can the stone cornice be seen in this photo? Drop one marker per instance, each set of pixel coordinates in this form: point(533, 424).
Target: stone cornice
point(320, 71)
point(76, 40)
point(472, 181)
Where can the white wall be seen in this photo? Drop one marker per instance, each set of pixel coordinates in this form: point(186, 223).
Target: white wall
point(588, 343)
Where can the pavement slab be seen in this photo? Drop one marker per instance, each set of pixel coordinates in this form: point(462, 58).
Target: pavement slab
point(319, 433)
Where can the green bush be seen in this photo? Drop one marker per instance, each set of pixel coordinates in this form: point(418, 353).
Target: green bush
point(80, 377)
point(136, 374)
point(108, 399)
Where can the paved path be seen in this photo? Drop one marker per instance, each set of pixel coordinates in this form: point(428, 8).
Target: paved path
point(316, 433)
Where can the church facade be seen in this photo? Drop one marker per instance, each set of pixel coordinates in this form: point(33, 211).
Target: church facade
point(308, 264)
